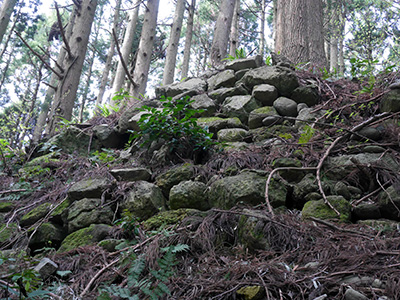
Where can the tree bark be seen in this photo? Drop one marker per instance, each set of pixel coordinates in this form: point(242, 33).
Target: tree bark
point(188, 41)
point(6, 11)
point(262, 30)
point(146, 44)
point(234, 36)
point(125, 51)
point(110, 54)
point(299, 31)
point(172, 49)
point(221, 34)
point(66, 91)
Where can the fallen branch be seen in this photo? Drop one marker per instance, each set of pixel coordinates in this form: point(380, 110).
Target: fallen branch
point(362, 234)
point(13, 191)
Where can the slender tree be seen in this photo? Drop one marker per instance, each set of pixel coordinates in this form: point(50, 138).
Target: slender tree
point(221, 34)
point(144, 52)
point(299, 31)
point(188, 40)
point(125, 50)
point(234, 35)
point(66, 90)
point(6, 11)
point(110, 54)
point(172, 50)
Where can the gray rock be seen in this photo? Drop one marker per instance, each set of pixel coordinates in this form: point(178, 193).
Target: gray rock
point(222, 79)
point(389, 203)
point(370, 133)
point(341, 189)
point(46, 267)
point(281, 78)
point(88, 211)
point(305, 94)
point(232, 135)
point(301, 106)
point(308, 114)
point(257, 116)
point(203, 102)
point(351, 294)
point(246, 188)
point(289, 175)
point(245, 63)
point(131, 174)
point(47, 235)
point(391, 101)
point(35, 214)
point(215, 124)
point(197, 85)
point(89, 188)
point(125, 120)
point(189, 194)
point(239, 106)
point(373, 149)
point(306, 186)
point(366, 211)
point(144, 200)
point(221, 94)
point(320, 210)
point(266, 94)
point(285, 107)
point(272, 120)
point(395, 85)
point(337, 168)
point(174, 176)
point(107, 136)
point(72, 140)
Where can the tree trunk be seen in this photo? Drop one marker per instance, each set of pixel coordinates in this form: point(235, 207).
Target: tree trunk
point(66, 91)
point(188, 41)
point(262, 30)
point(221, 34)
point(110, 54)
point(146, 43)
point(299, 31)
point(45, 107)
point(6, 11)
point(233, 40)
point(172, 50)
point(86, 88)
point(125, 51)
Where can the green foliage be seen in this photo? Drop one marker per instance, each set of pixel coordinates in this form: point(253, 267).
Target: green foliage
point(119, 98)
point(154, 284)
point(176, 126)
point(102, 157)
point(308, 133)
point(106, 110)
point(128, 223)
point(239, 53)
point(268, 60)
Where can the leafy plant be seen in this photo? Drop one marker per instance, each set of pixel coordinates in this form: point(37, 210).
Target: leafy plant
point(120, 96)
point(239, 53)
point(105, 156)
point(106, 110)
point(154, 285)
point(176, 126)
point(308, 133)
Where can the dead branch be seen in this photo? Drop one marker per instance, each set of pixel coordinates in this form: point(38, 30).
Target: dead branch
point(13, 191)
point(39, 56)
point(122, 60)
point(270, 178)
point(341, 229)
point(60, 26)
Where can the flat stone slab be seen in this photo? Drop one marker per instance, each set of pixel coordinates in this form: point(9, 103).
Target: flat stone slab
point(131, 174)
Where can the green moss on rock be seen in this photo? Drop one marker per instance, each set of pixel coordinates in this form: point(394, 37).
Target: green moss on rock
point(35, 214)
point(6, 206)
point(318, 209)
point(8, 232)
point(170, 217)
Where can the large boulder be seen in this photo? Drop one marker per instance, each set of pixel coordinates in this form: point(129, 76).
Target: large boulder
point(245, 63)
point(391, 101)
point(222, 79)
point(266, 94)
point(204, 103)
point(189, 194)
point(85, 236)
point(89, 188)
point(320, 210)
point(285, 107)
point(281, 78)
point(127, 122)
point(306, 94)
point(144, 200)
point(174, 176)
point(194, 85)
point(257, 116)
point(47, 235)
point(131, 174)
point(308, 114)
point(72, 140)
point(239, 106)
point(221, 94)
point(389, 203)
point(88, 211)
point(107, 136)
point(246, 188)
point(215, 124)
point(232, 135)
point(35, 214)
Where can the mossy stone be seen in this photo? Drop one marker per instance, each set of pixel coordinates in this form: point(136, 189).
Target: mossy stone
point(85, 236)
point(6, 206)
point(169, 217)
point(319, 209)
point(47, 235)
point(8, 232)
point(174, 176)
point(35, 214)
